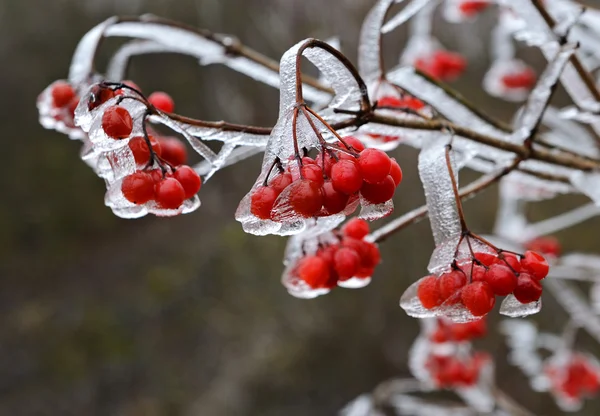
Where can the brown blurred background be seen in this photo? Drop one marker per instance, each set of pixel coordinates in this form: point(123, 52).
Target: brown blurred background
point(186, 316)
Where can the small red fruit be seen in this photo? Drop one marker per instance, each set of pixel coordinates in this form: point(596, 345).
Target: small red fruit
point(162, 101)
point(355, 143)
point(138, 188)
point(509, 259)
point(535, 264)
point(305, 198)
point(486, 259)
point(449, 283)
point(528, 289)
point(62, 94)
point(374, 165)
point(314, 271)
point(379, 193)
point(312, 172)
point(280, 182)
point(346, 263)
point(478, 298)
point(140, 150)
point(396, 172)
point(169, 193)
point(501, 279)
point(189, 179)
point(428, 292)
point(262, 201)
point(173, 150)
point(333, 201)
point(356, 228)
point(346, 177)
point(117, 122)
point(99, 95)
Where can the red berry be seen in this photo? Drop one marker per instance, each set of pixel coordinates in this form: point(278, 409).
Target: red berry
point(325, 161)
point(312, 172)
point(314, 271)
point(374, 165)
point(189, 179)
point(306, 198)
point(138, 188)
point(73, 105)
point(62, 94)
point(486, 259)
point(333, 201)
point(140, 150)
point(280, 182)
point(355, 143)
point(379, 193)
point(528, 289)
point(372, 256)
point(356, 228)
point(548, 246)
point(346, 263)
point(117, 122)
point(449, 283)
point(99, 95)
point(428, 292)
point(501, 279)
point(389, 101)
point(478, 298)
point(509, 259)
point(345, 177)
point(170, 193)
point(173, 150)
point(523, 79)
point(262, 201)
point(162, 101)
point(396, 172)
point(471, 8)
point(535, 264)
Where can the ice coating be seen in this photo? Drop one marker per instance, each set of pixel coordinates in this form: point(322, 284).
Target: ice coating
point(568, 134)
point(443, 212)
point(562, 221)
point(588, 183)
point(493, 80)
point(53, 118)
point(502, 47)
point(202, 149)
point(117, 66)
point(512, 307)
point(82, 62)
point(510, 215)
point(541, 94)
point(369, 47)
point(521, 339)
point(410, 10)
point(361, 406)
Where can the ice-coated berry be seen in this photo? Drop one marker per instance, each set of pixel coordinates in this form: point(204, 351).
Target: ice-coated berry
point(305, 198)
point(162, 101)
point(345, 177)
point(356, 228)
point(312, 172)
point(478, 298)
point(140, 150)
point(355, 143)
point(138, 188)
point(189, 179)
point(314, 271)
point(173, 151)
point(346, 263)
point(428, 292)
point(535, 264)
point(169, 193)
point(262, 201)
point(449, 283)
point(378, 193)
point(501, 279)
point(374, 165)
point(280, 182)
point(117, 122)
point(396, 172)
point(62, 94)
point(333, 201)
point(528, 289)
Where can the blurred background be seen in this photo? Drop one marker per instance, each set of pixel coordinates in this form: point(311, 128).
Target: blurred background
point(186, 316)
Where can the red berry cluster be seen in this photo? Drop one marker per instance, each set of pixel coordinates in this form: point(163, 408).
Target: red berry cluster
point(352, 257)
point(475, 283)
point(328, 184)
point(64, 101)
point(443, 65)
point(473, 7)
point(446, 331)
point(523, 79)
point(450, 372)
point(548, 246)
point(169, 189)
point(576, 379)
point(405, 102)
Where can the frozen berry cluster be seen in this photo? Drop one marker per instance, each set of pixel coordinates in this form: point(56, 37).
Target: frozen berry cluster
point(455, 372)
point(329, 184)
point(573, 378)
point(447, 331)
point(349, 262)
point(441, 64)
point(510, 79)
point(56, 105)
point(476, 283)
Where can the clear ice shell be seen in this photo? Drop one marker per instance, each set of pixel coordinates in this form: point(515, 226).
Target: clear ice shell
point(354, 282)
point(372, 212)
point(58, 119)
point(369, 46)
point(411, 9)
point(409, 301)
point(512, 307)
